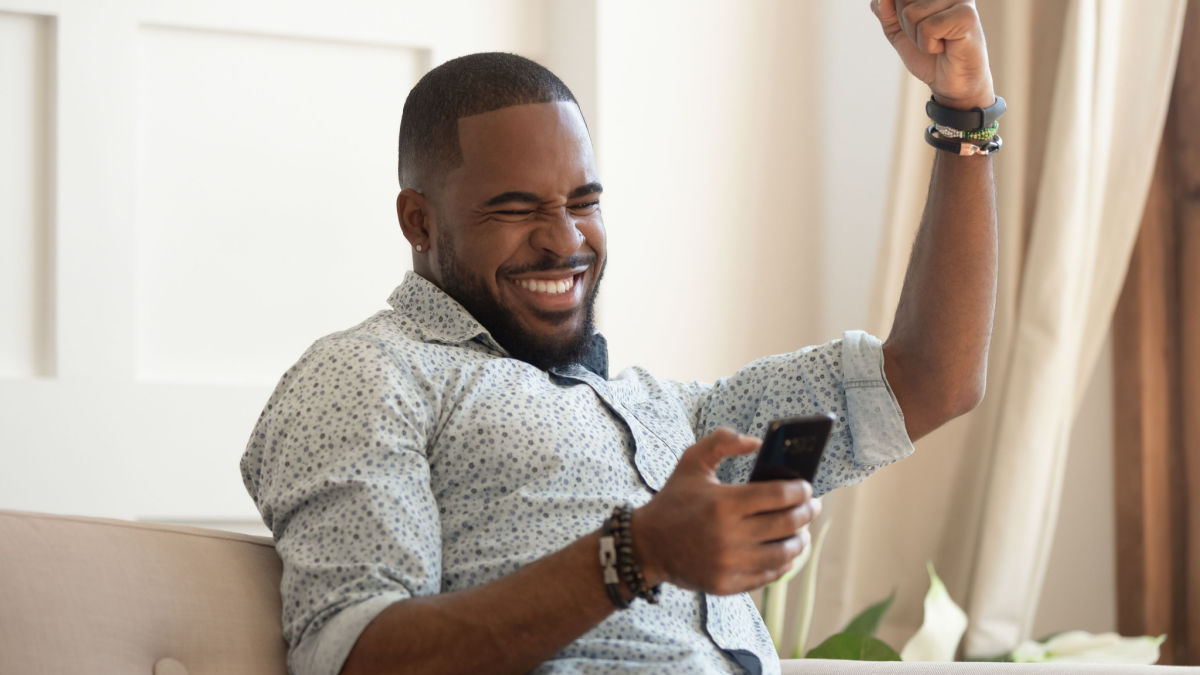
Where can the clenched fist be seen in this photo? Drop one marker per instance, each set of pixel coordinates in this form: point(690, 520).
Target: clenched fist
point(941, 43)
point(701, 534)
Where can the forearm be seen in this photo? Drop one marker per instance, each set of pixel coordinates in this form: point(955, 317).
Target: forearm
point(935, 357)
point(509, 625)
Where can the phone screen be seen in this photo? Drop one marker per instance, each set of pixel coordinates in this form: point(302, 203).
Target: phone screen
point(792, 448)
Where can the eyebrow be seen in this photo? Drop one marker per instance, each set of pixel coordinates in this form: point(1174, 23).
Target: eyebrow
point(590, 188)
point(517, 196)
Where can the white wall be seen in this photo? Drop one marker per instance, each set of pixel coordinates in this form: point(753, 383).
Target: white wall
point(710, 150)
point(743, 192)
point(191, 193)
point(25, 136)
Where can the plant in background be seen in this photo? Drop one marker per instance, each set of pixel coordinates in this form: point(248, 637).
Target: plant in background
point(1083, 647)
point(937, 639)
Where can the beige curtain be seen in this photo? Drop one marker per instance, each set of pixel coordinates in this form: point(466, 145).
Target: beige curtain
point(1087, 82)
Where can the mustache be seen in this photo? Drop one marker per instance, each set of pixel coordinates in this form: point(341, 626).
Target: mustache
point(553, 264)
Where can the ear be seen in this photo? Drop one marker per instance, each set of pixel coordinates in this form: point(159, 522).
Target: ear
point(413, 212)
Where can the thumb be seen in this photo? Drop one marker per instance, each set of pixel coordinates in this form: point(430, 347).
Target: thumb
point(884, 10)
point(708, 453)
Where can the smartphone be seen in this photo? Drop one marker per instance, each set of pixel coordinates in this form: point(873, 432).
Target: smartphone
point(792, 448)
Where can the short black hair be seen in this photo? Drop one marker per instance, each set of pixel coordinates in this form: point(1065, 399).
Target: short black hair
point(468, 85)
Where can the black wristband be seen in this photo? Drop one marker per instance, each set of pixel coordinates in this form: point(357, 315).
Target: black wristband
point(966, 120)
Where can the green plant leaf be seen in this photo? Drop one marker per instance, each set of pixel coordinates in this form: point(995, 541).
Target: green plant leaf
point(854, 647)
point(943, 628)
point(867, 622)
point(797, 564)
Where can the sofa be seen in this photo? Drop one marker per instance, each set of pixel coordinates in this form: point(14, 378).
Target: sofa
point(101, 596)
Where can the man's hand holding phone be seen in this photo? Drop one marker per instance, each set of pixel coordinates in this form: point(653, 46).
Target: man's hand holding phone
point(701, 534)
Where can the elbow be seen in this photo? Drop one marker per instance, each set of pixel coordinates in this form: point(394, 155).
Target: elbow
point(934, 392)
point(962, 397)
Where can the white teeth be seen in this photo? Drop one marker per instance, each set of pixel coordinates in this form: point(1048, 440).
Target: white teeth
point(548, 286)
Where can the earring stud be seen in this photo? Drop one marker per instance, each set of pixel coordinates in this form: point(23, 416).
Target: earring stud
point(418, 248)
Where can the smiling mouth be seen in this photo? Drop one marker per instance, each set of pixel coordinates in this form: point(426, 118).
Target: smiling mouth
point(548, 286)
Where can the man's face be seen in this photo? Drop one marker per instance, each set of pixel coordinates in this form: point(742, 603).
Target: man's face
point(519, 239)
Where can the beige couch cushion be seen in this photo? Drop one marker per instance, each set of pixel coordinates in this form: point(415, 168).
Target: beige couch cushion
point(96, 596)
point(88, 595)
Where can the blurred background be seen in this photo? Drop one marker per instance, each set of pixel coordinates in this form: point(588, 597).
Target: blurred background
point(192, 192)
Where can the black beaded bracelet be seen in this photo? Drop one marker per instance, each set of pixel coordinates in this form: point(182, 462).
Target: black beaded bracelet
point(631, 572)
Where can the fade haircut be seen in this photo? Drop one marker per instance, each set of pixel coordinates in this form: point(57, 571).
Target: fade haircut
point(468, 85)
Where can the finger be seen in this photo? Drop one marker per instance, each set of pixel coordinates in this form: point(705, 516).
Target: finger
point(901, 20)
point(776, 525)
point(708, 453)
point(951, 24)
point(769, 495)
point(774, 554)
point(753, 580)
point(765, 565)
point(911, 13)
point(885, 11)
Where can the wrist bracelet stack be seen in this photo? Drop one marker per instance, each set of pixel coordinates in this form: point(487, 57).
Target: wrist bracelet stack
point(608, 560)
point(616, 556)
point(965, 132)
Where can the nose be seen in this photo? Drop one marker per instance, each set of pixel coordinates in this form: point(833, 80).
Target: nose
point(558, 234)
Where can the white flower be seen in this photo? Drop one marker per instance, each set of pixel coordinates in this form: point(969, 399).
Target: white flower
point(1082, 647)
point(944, 625)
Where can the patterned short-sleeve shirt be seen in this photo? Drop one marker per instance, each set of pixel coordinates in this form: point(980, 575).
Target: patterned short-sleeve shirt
point(410, 456)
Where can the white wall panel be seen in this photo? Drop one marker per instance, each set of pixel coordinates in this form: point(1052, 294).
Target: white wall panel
point(265, 188)
point(216, 185)
point(26, 295)
point(126, 450)
point(709, 151)
point(93, 202)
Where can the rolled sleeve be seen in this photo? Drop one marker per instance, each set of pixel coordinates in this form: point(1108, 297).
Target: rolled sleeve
point(843, 377)
point(875, 419)
point(326, 651)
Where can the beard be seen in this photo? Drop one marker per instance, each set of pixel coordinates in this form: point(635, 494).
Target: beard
point(542, 351)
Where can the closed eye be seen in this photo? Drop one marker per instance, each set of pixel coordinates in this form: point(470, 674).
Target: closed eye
point(586, 207)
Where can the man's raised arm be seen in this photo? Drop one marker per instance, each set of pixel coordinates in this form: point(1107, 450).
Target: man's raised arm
point(935, 357)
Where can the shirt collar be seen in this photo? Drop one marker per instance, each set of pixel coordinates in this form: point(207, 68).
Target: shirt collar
point(439, 316)
point(442, 319)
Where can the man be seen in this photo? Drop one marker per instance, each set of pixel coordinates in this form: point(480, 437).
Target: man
point(441, 479)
